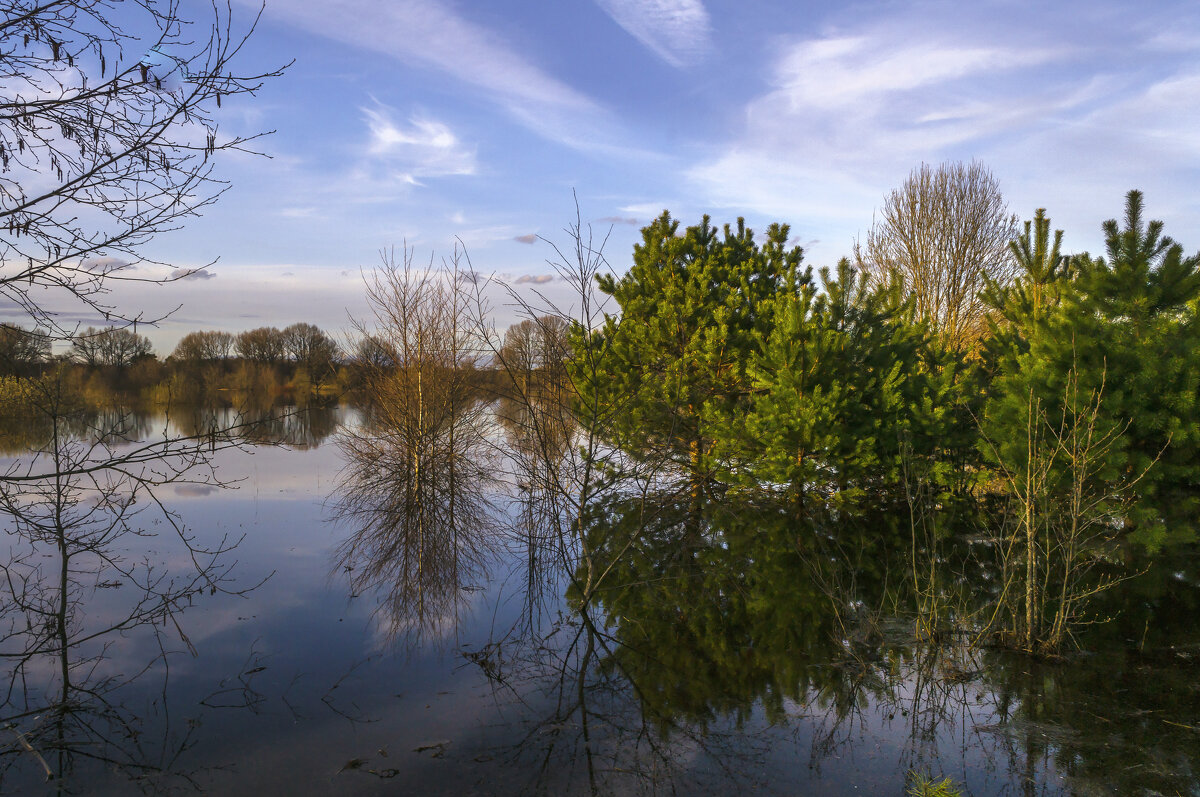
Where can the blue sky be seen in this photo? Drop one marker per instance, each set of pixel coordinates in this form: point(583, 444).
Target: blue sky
point(423, 121)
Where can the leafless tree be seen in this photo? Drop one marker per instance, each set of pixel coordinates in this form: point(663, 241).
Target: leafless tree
point(207, 346)
point(108, 137)
point(264, 345)
point(115, 346)
point(536, 350)
point(419, 474)
point(311, 349)
point(70, 507)
point(1062, 530)
point(22, 351)
point(945, 235)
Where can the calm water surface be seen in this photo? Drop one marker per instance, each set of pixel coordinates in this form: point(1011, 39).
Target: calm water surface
point(333, 659)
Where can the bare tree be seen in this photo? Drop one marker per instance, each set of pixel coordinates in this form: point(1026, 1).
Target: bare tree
point(204, 346)
point(107, 138)
point(945, 235)
point(70, 508)
point(1063, 530)
point(114, 346)
point(311, 349)
point(22, 351)
point(535, 347)
point(418, 475)
point(264, 345)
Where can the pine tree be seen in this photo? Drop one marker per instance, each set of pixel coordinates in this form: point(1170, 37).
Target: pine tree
point(693, 307)
point(836, 389)
point(1124, 329)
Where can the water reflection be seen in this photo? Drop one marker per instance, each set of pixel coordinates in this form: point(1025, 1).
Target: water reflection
point(540, 435)
point(416, 493)
point(295, 427)
point(645, 644)
point(668, 644)
point(78, 578)
point(712, 643)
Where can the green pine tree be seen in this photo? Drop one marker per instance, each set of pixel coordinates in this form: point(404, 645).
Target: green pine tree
point(693, 307)
point(1122, 328)
point(837, 388)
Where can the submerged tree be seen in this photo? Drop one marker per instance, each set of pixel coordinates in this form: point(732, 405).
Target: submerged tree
point(108, 137)
point(694, 307)
point(415, 486)
point(1091, 418)
point(1124, 326)
point(837, 388)
point(72, 505)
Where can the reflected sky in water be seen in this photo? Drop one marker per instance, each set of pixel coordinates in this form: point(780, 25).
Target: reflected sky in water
point(739, 649)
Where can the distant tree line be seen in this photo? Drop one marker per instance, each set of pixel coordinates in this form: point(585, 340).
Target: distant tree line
point(299, 358)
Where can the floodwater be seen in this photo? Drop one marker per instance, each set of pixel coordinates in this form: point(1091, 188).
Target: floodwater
point(284, 632)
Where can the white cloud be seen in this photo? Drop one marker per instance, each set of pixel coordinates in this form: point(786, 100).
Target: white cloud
point(298, 212)
point(650, 210)
point(850, 113)
point(422, 148)
point(428, 33)
point(843, 72)
point(1061, 122)
point(677, 31)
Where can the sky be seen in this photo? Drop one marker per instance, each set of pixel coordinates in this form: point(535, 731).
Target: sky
point(428, 124)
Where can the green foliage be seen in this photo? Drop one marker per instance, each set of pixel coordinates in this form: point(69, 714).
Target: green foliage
point(920, 785)
point(1124, 328)
point(836, 389)
point(730, 363)
point(694, 307)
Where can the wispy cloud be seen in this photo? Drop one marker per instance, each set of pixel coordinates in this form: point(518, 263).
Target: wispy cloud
point(533, 279)
point(844, 72)
point(851, 111)
point(620, 220)
point(526, 239)
point(647, 209)
point(421, 148)
point(297, 212)
point(430, 34)
point(677, 31)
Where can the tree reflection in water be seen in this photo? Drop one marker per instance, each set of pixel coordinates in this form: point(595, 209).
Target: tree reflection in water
point(419, 471)
point(670, 641)
point(422, 524)
point(77, 578)
point(540, 434)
